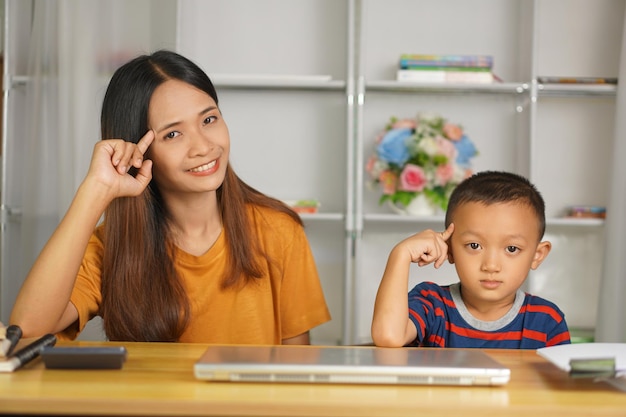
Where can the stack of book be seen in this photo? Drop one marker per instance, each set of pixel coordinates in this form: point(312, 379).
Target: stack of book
point(577, 80)
point(476, 69)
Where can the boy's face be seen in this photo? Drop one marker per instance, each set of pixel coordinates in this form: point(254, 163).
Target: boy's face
point(493, 248)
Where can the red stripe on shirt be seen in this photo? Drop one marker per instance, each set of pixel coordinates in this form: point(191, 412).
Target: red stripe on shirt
point(426, 303)
point(419, 319)
point(434, 339)
point(431, 293)
point(436, 295)
point(534, 335)
point(559, 338)
point(478, 334)
point(546, 310)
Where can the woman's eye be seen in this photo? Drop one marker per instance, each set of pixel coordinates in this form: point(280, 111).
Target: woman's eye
point(172, 135)
point(512, 249)
point(210, 120)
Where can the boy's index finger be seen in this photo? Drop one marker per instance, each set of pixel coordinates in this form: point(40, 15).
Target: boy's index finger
point(445, 235)
point(145, 141)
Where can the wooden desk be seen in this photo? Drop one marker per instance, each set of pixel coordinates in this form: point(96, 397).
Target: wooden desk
point(157, 379)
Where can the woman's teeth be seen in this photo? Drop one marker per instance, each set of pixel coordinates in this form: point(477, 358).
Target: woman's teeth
point(203, 167)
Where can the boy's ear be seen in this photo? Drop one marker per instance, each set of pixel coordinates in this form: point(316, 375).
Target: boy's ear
point(450, 256)
point(542, 251)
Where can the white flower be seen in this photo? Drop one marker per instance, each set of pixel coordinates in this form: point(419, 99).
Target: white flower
point(428, 145)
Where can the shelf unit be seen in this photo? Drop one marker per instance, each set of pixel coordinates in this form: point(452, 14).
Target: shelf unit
point(507, 121)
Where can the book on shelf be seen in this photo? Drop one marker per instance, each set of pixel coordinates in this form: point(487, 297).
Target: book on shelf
point(445, 76)
point(408, 61)
point(576, 80)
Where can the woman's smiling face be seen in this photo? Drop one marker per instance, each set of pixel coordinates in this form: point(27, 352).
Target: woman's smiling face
point(192, 144)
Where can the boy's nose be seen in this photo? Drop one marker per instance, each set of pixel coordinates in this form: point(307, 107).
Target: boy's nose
point(490, 263)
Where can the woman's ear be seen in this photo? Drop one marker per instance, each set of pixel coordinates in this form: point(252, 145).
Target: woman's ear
point(542, 251)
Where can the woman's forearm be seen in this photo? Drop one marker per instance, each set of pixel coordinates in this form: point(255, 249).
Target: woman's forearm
point(45, 293)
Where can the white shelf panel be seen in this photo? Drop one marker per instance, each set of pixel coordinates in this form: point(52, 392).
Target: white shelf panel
point(322, 217)
point(277, 82)
point(457, 88)
point(577, 90)
point(555, 221)
point(574, 222)
point(397, 218)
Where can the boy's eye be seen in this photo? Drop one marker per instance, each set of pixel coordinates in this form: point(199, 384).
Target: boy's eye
point(474, 246)
point(172, 135)
point(512, 249)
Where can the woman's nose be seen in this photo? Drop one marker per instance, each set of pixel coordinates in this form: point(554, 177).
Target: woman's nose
point(200, 144)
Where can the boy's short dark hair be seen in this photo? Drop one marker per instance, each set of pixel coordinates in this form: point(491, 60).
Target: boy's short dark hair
point(490, 187)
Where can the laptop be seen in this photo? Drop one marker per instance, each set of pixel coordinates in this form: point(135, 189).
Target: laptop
point(349, 365)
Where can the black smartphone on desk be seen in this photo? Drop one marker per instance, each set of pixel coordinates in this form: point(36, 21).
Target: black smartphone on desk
point(109, 357)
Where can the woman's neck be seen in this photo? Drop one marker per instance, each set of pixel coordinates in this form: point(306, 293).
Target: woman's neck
point(195, 223)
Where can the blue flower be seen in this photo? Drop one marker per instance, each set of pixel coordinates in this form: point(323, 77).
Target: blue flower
point(466, 150)
point(392, 148)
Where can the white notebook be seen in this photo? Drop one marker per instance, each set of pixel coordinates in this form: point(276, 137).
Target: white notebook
point(350, 365)
point(561, 355)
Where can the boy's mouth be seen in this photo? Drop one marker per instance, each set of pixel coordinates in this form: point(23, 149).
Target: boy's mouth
point(490, 284)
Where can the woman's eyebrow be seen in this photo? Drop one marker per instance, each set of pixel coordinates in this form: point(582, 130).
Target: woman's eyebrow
point(200, 113)
point(208, 109)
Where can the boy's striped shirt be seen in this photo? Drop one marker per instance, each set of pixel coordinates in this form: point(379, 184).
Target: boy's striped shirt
point(442, 320)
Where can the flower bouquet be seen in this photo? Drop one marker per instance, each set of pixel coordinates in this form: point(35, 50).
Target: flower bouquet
point(426, 156)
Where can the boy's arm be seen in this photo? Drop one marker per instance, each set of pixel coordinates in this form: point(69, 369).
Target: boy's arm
point(391, 326)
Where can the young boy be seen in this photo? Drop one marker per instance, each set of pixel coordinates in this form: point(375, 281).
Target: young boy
point(494, 226)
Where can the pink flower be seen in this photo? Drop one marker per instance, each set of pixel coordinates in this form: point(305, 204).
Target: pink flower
point(404, 124)
point(371, 163)
point(452, 131)
point(388, 181)
point(447, 148)
point(413, 178)
point(444, 174)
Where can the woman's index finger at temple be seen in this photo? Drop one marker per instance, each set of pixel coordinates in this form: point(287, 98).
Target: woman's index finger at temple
point(145, 141)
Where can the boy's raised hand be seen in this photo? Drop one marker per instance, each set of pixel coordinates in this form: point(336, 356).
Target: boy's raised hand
point(428, 246)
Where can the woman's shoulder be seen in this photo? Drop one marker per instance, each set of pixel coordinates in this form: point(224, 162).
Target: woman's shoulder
point(97, 237)
point(269, 217)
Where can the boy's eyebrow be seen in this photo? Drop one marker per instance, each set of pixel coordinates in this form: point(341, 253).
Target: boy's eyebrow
point(478, 233)
point(200, 113)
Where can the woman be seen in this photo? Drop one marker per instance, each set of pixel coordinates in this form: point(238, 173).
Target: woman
point(187, 251)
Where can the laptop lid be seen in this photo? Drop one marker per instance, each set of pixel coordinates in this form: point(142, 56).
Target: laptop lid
point(349, 364)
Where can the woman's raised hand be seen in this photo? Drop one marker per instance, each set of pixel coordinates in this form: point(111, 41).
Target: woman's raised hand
point(111, 160)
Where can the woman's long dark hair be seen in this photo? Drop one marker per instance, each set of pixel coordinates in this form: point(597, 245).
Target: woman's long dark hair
point(143, 297)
